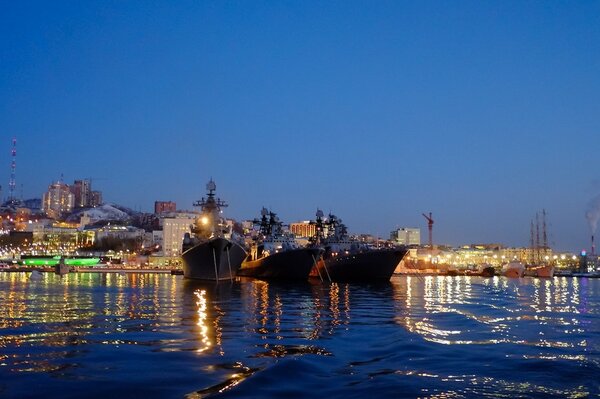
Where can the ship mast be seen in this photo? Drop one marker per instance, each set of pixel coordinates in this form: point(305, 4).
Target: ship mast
point(210, 220)
point(532, 245)
point(319, 227)
point(544, 234)
point(537, 237)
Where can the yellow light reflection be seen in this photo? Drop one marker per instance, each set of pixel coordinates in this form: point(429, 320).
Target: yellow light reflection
point(202, 316)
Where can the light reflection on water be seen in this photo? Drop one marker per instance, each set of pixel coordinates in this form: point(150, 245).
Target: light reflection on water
point(160, 336)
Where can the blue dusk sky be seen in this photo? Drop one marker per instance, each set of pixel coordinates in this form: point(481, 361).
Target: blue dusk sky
point(482, 112)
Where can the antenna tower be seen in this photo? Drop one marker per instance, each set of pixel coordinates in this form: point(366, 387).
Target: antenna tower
point(13, 166)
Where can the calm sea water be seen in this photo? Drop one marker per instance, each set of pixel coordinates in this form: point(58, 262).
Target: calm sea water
point(158, 336)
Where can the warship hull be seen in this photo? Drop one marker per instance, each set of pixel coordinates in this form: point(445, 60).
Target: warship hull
point(375, 265)
point(294, 264)
point(214, 260)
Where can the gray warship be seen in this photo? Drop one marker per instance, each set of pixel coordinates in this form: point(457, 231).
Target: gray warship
point(275, 255)
point(345, 259)
point(209, 252)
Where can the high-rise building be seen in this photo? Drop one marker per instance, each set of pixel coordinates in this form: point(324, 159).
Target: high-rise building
point(406, 236)
point(174, 228)
point(303, 229)
point(164, 207)
point(96, 198)
point(58, 200)
point(82, 192)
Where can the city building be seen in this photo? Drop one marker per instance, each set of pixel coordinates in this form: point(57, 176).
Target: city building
point(58, 200)
point(303, 229)
point(34, 204)
point(406, 236)
point(161, 207)
point(157, 238)
point(174, 229)
point(120, 233)
point(96, 199)
point(82, 193)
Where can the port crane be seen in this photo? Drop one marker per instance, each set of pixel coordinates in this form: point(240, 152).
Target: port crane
point(430, 227)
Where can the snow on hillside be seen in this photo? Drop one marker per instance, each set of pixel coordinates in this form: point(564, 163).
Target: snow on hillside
point(102, 212)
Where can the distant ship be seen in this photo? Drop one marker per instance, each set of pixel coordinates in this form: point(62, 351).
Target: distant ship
point(513, 270)
point(62, 268)
point(345, 259)
point(276, 255)
point(209, 253)
point(537, 266)
point(543, 271)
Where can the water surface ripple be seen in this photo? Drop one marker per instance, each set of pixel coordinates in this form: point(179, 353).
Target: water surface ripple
point(159, 336)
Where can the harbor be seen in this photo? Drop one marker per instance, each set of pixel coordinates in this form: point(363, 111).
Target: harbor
point(245, 338)
point(340, 199)
point(207, 246)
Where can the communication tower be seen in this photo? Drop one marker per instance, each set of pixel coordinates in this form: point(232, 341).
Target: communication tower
point(13, 166)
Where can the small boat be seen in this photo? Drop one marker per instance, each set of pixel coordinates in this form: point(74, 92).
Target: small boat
point(275, 255)
point(487, 271)
point(345, 259)
point(513, 270)
point(61, 267)
point(543, 271)
point(210, 252)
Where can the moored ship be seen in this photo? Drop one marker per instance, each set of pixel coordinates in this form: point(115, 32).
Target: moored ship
point(275, 255)
point(210, 253)
point(542, 271)
point(345, 259)
point(513, 270)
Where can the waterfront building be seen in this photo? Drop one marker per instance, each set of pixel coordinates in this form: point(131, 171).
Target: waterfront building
point(161, 207)
point(48, 237)
point(174, 229)
point(120, 233)
point(406, 236)
point(303, 229)
point(58, 200)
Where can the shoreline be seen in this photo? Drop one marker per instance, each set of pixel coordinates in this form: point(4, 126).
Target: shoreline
point(94, 270)
point(180, 272)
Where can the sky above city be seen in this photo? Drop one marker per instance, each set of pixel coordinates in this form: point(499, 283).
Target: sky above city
point(482, 113)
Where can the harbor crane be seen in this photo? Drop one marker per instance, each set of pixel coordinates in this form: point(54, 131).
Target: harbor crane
point(430, 227)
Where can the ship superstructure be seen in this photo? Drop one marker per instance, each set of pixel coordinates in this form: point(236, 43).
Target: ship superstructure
point(345, 259)
point(275, 254)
